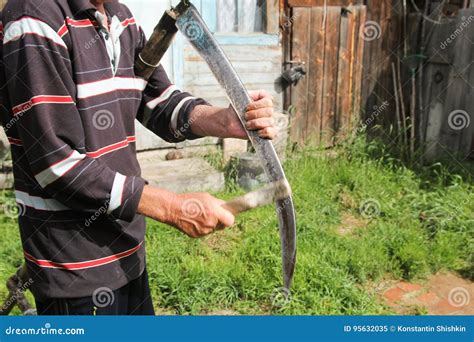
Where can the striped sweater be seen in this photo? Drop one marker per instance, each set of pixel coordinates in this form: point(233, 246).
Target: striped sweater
point(68, 106)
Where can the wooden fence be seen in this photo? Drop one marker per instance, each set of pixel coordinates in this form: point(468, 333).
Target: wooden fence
point(329, 41)
point(447, 126)
point(435, 99)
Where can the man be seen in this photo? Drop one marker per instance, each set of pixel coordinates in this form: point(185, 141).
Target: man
point(69, 99)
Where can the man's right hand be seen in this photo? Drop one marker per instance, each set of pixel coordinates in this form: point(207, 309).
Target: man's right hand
point(195, 214)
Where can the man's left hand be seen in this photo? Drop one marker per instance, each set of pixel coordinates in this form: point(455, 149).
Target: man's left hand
point(208, 121)
point(259, 116)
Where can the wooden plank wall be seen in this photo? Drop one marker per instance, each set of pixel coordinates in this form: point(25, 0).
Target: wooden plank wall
point(257, 65)
point(449, 95)
point(328, 40)
point(447, 81)
point(385, 17)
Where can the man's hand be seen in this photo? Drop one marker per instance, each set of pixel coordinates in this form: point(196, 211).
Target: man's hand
point(196, 214)
point(224, 123)
point(200, 214)
point(259, 115)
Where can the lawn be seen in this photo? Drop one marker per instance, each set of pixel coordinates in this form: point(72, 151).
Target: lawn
point(363, 217)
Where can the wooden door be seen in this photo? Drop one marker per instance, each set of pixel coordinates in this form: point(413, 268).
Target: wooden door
point(329, 41)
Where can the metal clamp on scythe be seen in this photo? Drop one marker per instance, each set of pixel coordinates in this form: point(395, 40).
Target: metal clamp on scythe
point(186, 18)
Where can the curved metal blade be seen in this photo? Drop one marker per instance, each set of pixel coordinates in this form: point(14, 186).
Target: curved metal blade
point(192, 26)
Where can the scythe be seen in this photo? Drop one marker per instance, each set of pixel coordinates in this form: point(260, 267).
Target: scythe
point(186, 18)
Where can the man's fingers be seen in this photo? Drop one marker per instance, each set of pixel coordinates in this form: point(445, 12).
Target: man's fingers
point(261, 123)
point(226, 218)
point(259, 94)
point(261, 113)
point(206, 231)
point(268, 133)
point(201, 214)
point(265, 102)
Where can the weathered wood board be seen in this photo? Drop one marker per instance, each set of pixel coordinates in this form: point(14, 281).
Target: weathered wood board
point(327, 100)
point(332, 19)
point(312, 124)
point(258, 66)
point(382, 38)
point(449, 75)
point(300, 41)
point(314, 3)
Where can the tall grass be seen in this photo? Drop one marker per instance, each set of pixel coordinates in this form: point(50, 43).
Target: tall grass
point(398, 223)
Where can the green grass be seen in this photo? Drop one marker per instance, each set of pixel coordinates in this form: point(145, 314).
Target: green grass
point(423, 222)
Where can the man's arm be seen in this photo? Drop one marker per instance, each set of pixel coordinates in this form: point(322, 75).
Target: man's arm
point(224, 123)
point(165, 109)
point(175, 115)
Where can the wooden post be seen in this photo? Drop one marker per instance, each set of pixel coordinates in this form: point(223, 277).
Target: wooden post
point(273, 17)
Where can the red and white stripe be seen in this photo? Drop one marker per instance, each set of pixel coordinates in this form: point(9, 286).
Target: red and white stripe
point(128, 22)
point(81, 23)
point(163, 97)
point(58, 170)
point(116, 195)
point(41, 99)
point(101, 87)
point(63, 30)
point(24, 199)
point(111, 148)
point(30, 26)
point(15, 142)
point(74, 266)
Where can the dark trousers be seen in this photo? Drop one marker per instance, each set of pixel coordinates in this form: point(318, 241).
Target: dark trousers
point(132, 299)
